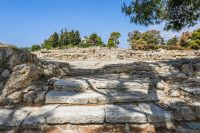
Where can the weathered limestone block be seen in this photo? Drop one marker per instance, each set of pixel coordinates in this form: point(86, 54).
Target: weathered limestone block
point(119, 84)
point(125, 114)
point(196, 67)
point(100, 97)
point(21, 78)
point(135, 95)
point(12, 117)
point(71, 85)
point(156, 114)
point(77, 115)
point(188, 69)
point(191, 90)
point(38, 115)
point(196, 106)
point(187, 113)
point(189, 127)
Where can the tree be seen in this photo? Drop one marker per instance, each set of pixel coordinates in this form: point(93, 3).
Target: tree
point(35, 47)
point(173, 41)
point(141, 40)
point(152, 37)
point(95, 40)
point(176, 14)
point(185, 37)
point(71, 38)
point(54, 40)
point(113, 41)
point(47, 44)
point(136, 40)
point(194, 42)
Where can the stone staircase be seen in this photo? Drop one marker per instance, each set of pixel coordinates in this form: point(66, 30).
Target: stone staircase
point(121, 98)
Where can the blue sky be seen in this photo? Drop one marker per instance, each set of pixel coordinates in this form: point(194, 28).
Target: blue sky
point(27, 22)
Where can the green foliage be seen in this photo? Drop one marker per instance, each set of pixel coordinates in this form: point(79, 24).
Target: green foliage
point(47, 44)
point(194, 44)
point(191, 40)
point(35, 47)
point(65, 39)
point(139, 40)
point(176, 14)
point(54, 40)
point(94, 40)
point(113, 41)
point(173, 41)
point(71, 38)
point(152, 37)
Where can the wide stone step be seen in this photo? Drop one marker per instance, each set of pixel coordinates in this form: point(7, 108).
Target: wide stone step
point(105, 82)
point(62, 114)
point(100, 97)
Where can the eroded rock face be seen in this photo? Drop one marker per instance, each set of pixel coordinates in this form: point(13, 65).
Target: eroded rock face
point(22, 76)
point(10, 57)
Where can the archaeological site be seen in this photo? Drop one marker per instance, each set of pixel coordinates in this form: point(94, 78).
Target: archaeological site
point(99, 90)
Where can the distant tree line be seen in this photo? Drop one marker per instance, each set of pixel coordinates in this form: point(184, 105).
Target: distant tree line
point(67, 39)
point(153, 40)
point(137, 40)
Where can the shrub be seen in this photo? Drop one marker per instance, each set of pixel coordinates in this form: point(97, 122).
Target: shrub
point(194, 44)
point(35, 48)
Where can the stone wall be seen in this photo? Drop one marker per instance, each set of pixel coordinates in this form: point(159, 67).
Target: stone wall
point(97, 53)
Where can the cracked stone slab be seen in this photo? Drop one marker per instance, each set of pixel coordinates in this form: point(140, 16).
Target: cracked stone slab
point(99, 97)
point(76, 115)
point(128, 113)
point(65, 97)
point(119, 84)
point(155, 114)
point(38, 115)
point(71, 84)
point(192, 90)
point(12, 117)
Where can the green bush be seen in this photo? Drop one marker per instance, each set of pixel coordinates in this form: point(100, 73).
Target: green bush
point(35, 48)
point(194, 44)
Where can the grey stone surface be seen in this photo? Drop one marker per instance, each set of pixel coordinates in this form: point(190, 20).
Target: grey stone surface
point(187, 113)
point(38, 115)
point(100, 97)
point(125, 114)
point(196, 106)
point(192, 125)
point(119, 84)
point(192, 90)
point(76, 115)
point(12, 117)
point(5, 73)
point(71, 84)
point(155, 114)
point(187, 68)
point(197, 67)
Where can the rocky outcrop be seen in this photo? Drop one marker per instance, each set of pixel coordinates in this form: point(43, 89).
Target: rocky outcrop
point(18, 71)
point(21, 78)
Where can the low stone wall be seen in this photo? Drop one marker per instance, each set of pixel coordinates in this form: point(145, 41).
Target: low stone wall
point(78, 54)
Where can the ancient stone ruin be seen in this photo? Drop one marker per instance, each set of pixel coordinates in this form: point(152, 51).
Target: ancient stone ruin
point(99, 90)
